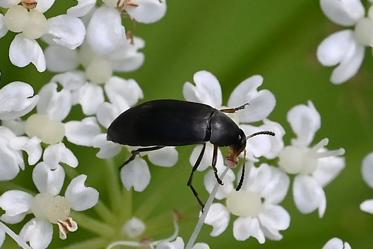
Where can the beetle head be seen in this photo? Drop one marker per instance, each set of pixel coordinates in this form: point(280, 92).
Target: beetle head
point(236, 150)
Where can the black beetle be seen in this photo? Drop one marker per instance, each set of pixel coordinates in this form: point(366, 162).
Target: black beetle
point(159, 123)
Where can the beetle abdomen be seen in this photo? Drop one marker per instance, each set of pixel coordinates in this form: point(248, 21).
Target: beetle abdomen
point(162, 122)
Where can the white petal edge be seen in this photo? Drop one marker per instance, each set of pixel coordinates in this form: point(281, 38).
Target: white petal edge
point(367, 169)
point(345, 12)
point(148, 11)
point(165, 157)
point(245, 227)
point(367, 206)
point(48, 180)
point(59, 153)
point(67, 31)
point(60, 59)
point(38, 233)
point(23, 51)
point(81, 197)
point(82, 8)
point(82, 132)
point(218, 218)
point(107, 148)
point(135, 174)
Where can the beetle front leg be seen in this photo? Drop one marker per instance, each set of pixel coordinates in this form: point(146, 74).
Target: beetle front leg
point(214, 159)
point(195, 167)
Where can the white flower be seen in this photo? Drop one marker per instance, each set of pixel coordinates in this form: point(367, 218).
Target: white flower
point(314, 166)
point(144, 11)
point(207, 90)
point(47, 124)
point(48, 207)
point(31, 24)
point(255, 205)
point(17, 99)
point(91, 86)
point(367, 172)
point(178, 243)
point(336, 243)
point(136, 173)
point(346, 48)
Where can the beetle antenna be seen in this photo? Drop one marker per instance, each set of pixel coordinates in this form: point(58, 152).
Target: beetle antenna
point(233, 110)
point(269, 133)
point(242, 173)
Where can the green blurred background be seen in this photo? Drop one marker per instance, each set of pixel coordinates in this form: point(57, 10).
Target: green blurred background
point(234, 40)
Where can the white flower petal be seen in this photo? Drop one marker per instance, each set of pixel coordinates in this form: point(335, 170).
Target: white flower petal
point(55, 104)
point(135, 174)
point(207, 89)
point(105, 30)
point(210, 181)
point(178, 243)
point(277, 142)
point(82, 132)
point(308, 195)
point(30, 145)
point(38, 233)
point(327, 169)
point(90, 97)
point(147, 11)
point(207, 157)
point(123, 93)
point(3, 28)
point(60, 59)
point(244, 228)
point(13, 219)
point(23, 51)
point(350, 65)
point(259, 178)
point(165, 157)
point(305, 121)
point(44, 5)
point(274, 217)
point(17, 99)
point(261, 103)
point(10, 162)
point(82, 8)
point(367, 206)
point(367, 169)
point(81, 197)
point(343, 12)
point(2, 237)
point(107, 148)
point(127, 57)
point(17, 126)
point(201, 246)
point(277, 187)
point(256, 146)
point(8, 3)
point(59, 153)
point(106, 113)
point(336, 243)
point(333, 48)
point(48, 180)
point(15, 202)
point(218, 218)
point(65, 30)
point(70, 80)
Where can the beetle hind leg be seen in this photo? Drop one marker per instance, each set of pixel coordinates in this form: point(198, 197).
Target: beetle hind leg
point(134, 153)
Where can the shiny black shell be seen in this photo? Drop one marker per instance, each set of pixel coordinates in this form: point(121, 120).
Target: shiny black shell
point(173, 123)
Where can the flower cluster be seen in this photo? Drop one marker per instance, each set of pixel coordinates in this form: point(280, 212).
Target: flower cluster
point(346, 48)
point(256, 204)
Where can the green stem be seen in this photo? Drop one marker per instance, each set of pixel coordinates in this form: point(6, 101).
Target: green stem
point(105, 213)
point(114, 186)
point(93, 225)
point(91, 244)
point(127, 198)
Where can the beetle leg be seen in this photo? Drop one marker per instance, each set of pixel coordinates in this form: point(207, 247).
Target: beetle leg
point(195, 167)
point(134, 153)
point(233, 110)
point(214, 159)
point(242, 177)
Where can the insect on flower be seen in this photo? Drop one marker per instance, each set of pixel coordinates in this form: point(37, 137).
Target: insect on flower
point(159, 123)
